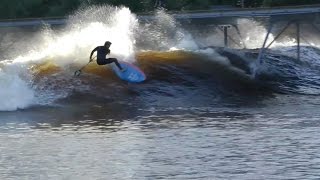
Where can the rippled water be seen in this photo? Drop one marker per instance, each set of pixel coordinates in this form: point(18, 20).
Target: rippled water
point(267, 142)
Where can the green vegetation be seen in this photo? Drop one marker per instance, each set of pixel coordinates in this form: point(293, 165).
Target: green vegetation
point(52, 8)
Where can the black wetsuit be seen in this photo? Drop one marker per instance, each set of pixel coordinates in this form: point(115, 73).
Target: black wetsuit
point(102, 52)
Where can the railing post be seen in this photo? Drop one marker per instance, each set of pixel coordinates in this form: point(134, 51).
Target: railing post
point(225, 33)
point(264, 44)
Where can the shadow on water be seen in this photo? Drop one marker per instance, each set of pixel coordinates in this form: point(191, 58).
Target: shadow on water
point(110, 118)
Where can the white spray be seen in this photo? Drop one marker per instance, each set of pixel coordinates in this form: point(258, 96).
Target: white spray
point(85, 30)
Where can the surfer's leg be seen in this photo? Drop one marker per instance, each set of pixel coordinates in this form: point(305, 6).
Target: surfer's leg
point(116, 62)
point(102, 61)
point(119, 66)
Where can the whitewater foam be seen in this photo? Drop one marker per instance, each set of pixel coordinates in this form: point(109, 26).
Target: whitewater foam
point(15, 92)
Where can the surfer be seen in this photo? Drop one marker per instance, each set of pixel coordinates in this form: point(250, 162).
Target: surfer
point(102, 52)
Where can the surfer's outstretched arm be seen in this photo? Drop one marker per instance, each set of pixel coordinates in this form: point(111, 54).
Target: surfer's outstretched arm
point(95, 49)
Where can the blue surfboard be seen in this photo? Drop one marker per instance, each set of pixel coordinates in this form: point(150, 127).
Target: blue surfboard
point(131, 74)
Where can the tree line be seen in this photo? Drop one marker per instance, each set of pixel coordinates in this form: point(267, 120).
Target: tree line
point(10, 9)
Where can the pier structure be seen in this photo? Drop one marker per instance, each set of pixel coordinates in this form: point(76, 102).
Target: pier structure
point(289, 20)
point(290, 15)
point(297, 16)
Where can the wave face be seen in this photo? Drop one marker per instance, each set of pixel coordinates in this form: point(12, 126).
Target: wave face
point(184, 64)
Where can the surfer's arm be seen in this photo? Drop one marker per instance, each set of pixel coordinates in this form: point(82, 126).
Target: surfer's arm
point(95, 49)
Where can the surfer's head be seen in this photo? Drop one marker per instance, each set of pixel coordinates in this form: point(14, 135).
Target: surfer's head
point(107, 44)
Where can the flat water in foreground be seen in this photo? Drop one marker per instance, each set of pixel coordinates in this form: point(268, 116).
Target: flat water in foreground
point(277, 140)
